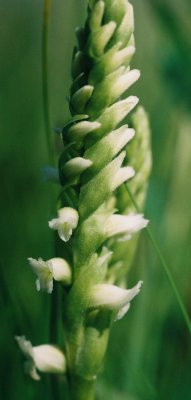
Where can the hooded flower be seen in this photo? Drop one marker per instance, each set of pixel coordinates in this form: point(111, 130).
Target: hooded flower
point(66, 222)
point(46, 271)
point(45, 358)
point(125, 225)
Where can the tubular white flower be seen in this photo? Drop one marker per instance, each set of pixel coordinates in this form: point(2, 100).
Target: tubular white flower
point(46, 271)
point(45, 358)
point(76, 166)
point(114, 114)
point(111, 297)
point(66, 222)
point(124, 81)
point(125, 224)
point(122, 175)
point(81, 97)
point(81, 129)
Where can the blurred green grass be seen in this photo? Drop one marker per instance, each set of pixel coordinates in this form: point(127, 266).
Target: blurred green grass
point(151, 346)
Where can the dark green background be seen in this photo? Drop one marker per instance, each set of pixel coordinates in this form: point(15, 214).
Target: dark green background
point(149, 351)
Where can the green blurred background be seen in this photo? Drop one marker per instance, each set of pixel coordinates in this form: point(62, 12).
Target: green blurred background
point(149, 352)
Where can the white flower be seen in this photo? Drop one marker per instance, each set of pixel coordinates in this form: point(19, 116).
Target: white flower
point(125, 225)
point(66, 222)
point(81, 129)
point(45, 358)
point(46, 271)
point(111, 297)
point(124, 81)
point(76, 166)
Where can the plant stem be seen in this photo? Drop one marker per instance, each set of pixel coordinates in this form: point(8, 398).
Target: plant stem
point(81, 389)
point(50, 148)
point(45, 90)
point(165, 267)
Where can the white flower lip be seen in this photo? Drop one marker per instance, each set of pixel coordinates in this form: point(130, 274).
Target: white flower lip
point(45, 358)
point(76, 166)
point(55, 268)
point(66, 222)
point(125, 224)
point(81, 129)
point(44, 274)
point(111, 297)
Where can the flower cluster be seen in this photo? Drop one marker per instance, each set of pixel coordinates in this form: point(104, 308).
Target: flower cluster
point(93, 169)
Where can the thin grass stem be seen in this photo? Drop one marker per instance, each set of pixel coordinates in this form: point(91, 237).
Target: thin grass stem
point(53, 324)
point(45, 77)
point(165, 266)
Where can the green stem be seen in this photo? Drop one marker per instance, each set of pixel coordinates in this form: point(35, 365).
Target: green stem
point(50, 147)
point(45, 90)
point(165, 267)
point(81, 389)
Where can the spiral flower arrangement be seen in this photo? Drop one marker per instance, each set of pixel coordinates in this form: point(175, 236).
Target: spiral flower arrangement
point(96, 222)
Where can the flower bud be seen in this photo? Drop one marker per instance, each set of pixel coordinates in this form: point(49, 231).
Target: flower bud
point(78, 64)
point(80, 98)
point(113, 143)
point(55, 268)
point(114, 114)
point(111, 297)
point(80, 35)
point(126, 27)
point(75, 167)
point(45, 358)
point(80, 130)
point(123, 82)
point(99, 39)
point(110, 89)
point(66, 222)
point(110, 61)
point(98, 189)
point(96, 16)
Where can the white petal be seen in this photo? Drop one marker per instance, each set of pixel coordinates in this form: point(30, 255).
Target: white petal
point(76, 166)
point(69, 215)
point(54, 223)
point(65, 232)
point(122, 176)
point(66, 222)
point(30, 369)
point(25, 346)
point(44, 274)
point(81, 129)
point(49, 358)
point(125, 224)
point(61, 270)
point(112, 297)
point(122, 312)
point(46, 358)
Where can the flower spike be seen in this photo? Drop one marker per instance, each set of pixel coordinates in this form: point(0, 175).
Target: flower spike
point(95, 209)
